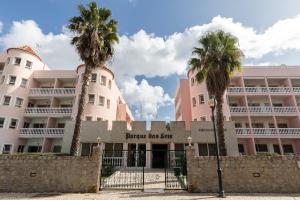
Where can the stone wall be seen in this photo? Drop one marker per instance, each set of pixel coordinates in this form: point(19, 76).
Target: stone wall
point(50, 173)
point(243, 174)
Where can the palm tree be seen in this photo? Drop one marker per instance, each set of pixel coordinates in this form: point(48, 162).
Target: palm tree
point(216, 59)
point(95, 34)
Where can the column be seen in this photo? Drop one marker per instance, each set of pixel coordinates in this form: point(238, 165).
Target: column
point(125, 154)
point(196, 147)
point(172, 154)
point(148, 155)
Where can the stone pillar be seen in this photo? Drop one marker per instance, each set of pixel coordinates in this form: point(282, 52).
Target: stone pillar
point(148, 155)
point(190, 155)
point(97, 156)
point(172, 154)
point(196, 149)
point(125, 154)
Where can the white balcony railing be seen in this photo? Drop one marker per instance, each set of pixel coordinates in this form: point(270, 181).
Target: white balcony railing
point(256, 89)
point(264, 131)
point(260, 109)
point(285, 109)
point(243, 131)
point(235, 89)
point(289, 131)
point(46, 111)
point(113, 161)
point(283, 90)
point(296, 90)
point(238, 109)
point(51, 91)
point(41, 131)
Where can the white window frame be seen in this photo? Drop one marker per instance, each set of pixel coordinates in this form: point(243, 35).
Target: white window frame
point(94, 81)
point(21, 103)
point(17, 124)
point(100, 101)
point(12, 147)
point(3, 100)
point(91, 102)
point(3, 122)
point(24, 86)
point(102, 82)
point(9, 78)
point(28, 67)
point(15, 59)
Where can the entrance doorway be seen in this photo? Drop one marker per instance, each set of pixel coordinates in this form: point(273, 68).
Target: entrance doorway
point(159, 155)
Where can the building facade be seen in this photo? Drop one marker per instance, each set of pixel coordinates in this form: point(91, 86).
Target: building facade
point(36, 102)
point(263, 102)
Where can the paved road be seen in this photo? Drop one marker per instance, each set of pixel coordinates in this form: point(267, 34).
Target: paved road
point(137, 195)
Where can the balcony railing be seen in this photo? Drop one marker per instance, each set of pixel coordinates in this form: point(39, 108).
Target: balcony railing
point(238, 109)
point(289, 131)
point(296, 90)
point(51, 91)
point(48, 111)
point(257, 90)
point(285, 109)
point(260, 109)
point(280, 90)
point(268, 131)
point(41, 131)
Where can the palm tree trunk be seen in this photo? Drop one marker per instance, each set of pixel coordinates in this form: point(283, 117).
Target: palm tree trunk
point(75, 146)
point(220, 125)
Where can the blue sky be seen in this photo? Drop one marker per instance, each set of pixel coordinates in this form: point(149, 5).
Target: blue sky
point(157, 36)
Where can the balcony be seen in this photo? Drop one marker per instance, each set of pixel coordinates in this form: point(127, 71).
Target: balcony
point(280, 90)
point(285, 110)
point(51, 92)
point(41, 132)
point(61, 112)
point(241, 110)
point(262, 90)
point(268, 131)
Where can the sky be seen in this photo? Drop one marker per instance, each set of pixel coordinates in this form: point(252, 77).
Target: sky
point(156, 39)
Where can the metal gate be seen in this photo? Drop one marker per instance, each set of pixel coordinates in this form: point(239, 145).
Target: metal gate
point(126, 169)
point(122, 170)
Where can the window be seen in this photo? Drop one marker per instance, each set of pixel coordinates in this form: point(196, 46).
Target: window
point(2, 121)
point(195, 119)
point(201, 99)
point(26, 125)
point(6, 101)
point(34, 149)
point(7, 148)
point(194, 102)
point(203, 151)
point(21, 148)
point(282, 125)
point(17, 61)
point(99, 119)
point(103, 80)
point(212, 149)
point(13, 123)
point(12, 80)
point(8, 60)
point(271, 125)
point(203, 119)
point(91, 98)
point(241, 149)
point(39, 125)
point(2, 79)
point(108, 103)
point(238, 125)
point(288, 148)
point(60, 125)
point(28, 64)
point(101, 100)
point(94, 78)
point(88, 118)
point(56, 148)
point(276, 148)
point(192, 81)
point(261, 148)
point(24, 83)
point(19, 102)
point(109, 84)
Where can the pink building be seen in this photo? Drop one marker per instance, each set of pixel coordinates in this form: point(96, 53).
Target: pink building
point(36, 102)
point(264, 103)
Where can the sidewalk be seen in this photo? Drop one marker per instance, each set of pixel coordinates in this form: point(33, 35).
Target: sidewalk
point(138, 195)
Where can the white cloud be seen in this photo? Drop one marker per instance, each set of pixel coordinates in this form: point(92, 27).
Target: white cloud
point(146, 98)
point(150, 55)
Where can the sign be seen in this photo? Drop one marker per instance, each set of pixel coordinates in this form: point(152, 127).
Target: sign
point(149, 136)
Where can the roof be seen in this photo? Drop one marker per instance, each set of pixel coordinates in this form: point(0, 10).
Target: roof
point(27, 49)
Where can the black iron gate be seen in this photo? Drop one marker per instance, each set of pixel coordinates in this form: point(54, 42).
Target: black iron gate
point(126, 169)
point(122, 170)
point(176, 171)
